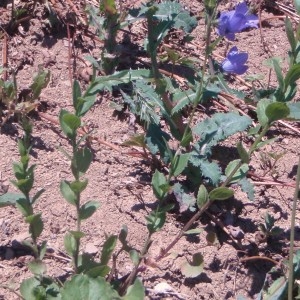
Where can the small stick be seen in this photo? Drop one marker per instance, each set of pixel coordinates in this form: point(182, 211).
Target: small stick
point(261, 258)
point(69, 54)
point(4, 56)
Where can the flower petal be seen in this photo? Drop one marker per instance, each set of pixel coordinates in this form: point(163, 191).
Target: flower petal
point(241, 8)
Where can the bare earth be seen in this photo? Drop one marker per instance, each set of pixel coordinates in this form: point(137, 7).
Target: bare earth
point(122, 183)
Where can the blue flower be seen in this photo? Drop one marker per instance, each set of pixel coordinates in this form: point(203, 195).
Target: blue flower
point(234, 21)
point(234, 63)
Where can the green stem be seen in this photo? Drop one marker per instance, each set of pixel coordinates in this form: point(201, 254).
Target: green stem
point(292, 236)
point(251, 150)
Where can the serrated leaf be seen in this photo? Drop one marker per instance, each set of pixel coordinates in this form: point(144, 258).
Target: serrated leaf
point(277, 111)
point(292, 75)
point(107, 82)
point(156, 140)
point(218, 127)
point(180, 163)
point(169, 10)
point(97, 271)
point(88, 209)
point(247, 187)
point(211, 171)
point(279, 74)
point(220, 193)
point(239, 174)
point(202, 196)
point(185, 199)
point(108, 249)
point(195, 268)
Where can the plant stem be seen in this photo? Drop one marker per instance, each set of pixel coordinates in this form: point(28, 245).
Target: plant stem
point(292, 236)
point(134, 272)
point(186, 227)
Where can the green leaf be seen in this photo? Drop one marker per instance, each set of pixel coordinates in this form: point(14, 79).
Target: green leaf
point(83, 287)
point(247, 187)
point(29, 287)
point(210, 170)
point(68, 193)
point(294, 111)
point(193, 231)
point(173, 11)
point(135, 291)
point(277, 111)
point(217, 128)
point(202, 196)
point(159, 185)
point(184, 197)
point(107, 82)
point(70, 244)
point(156, 140)
point(261, 111)
point(239, 174)
point(137, 140)
point(40, 81)
point(297, 6)
point(278, 74)
point(24, 207)
point(290, 33)
point(180, 163)
point(37, 267)
point(87, 209)
point(135, 257)
point(220, 193)
point(36, 225)
point(243, 153)
point(37, 195)
point(8, 199)
point(97, 271)
point(292, 75)
point(77, 234)
point(82, 160)
point(69, 123)
point(155, 221)
point(108, 249)
point(78, 186)
point(76, 92)
point(195, 268)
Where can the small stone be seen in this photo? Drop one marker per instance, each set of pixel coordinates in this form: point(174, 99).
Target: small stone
point(17, 241)
point(90, 248)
